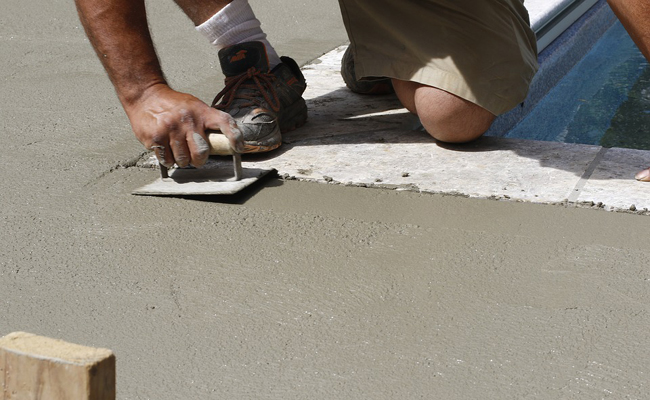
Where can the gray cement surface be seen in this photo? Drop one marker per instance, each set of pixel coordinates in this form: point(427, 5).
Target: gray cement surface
point(294, 289)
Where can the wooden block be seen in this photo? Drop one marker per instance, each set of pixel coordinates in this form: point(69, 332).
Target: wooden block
point(36, 367)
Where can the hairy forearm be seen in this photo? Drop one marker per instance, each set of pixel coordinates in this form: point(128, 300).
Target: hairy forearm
point(635, 17)
point(119, 33)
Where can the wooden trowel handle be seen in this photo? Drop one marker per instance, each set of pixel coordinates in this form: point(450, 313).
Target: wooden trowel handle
point(219, 144)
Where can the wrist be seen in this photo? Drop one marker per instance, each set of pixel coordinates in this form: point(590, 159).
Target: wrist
point(130, 95)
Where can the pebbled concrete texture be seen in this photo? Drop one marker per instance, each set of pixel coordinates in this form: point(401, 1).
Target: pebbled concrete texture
point(298, 289)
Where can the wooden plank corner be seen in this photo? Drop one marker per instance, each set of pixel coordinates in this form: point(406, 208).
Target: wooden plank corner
point(38, 367)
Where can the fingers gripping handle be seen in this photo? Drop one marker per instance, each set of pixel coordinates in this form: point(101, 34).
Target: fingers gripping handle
point(219, 146)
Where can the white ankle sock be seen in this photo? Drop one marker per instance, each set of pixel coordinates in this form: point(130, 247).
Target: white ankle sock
point(234, 24)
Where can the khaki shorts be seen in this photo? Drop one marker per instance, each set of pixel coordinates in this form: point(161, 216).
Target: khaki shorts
point(480, 50)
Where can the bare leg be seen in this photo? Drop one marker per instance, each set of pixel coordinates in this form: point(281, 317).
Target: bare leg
point(635, 17)
point(200, 11)
point(445, 116)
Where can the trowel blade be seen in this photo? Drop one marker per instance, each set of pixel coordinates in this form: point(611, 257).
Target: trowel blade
point(201, 181)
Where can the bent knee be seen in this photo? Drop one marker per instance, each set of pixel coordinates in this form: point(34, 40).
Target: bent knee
point(452, 119)
point(445, 116)
point(460, 127)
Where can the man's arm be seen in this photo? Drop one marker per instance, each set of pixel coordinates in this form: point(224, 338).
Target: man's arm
point(170, 122)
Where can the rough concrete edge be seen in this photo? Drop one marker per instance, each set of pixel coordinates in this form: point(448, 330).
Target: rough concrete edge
point(141, 160)
point(414, 188)
point(570, 200)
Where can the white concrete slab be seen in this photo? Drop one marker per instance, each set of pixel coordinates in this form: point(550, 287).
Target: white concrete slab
point(489, 168)
point(370, 141)
point(612, 183)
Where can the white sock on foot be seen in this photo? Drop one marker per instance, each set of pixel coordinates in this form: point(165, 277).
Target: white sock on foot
point(234, 24)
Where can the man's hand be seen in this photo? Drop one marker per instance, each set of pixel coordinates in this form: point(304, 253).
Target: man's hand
point(174, 125)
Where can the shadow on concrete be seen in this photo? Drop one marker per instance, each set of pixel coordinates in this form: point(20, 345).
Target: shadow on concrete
point(240, 198)
point(343, 118)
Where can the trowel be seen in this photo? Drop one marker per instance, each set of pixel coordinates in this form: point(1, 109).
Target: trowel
point(207, 180)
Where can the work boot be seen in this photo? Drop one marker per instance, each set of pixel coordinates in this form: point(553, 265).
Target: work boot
point(371, 85)
point(263, 103)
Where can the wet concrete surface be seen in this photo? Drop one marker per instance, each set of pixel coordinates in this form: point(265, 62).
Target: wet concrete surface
point(293, 289)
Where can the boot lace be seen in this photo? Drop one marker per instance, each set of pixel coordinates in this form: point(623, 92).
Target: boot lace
point(253, 79)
